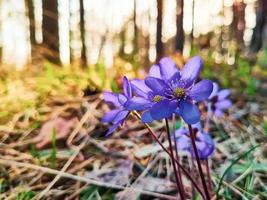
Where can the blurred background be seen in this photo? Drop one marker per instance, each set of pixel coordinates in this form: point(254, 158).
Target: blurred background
point(139, 32)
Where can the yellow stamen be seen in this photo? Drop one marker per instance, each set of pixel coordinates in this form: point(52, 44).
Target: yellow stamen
point(157, 98)
point(179, 92)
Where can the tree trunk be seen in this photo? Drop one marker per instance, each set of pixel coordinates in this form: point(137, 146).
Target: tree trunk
point(31, 20)
point(82, 30)
point(135, 39)
point(193, 22)
point(261, 25)
point(159, 45)
point(50, 30)
point(29, 4)
point(1, 21)
point(238, 24)
point(179, 45)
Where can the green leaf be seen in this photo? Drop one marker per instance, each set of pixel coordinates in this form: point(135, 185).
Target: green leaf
point(26, 195)
point(33, 151)
point(3, 185)
point(265, 128)
point(114, 86)
point(85, 194)
point(177, 126)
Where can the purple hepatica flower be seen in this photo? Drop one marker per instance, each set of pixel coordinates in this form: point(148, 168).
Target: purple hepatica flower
point(168, 90)
point(156, 106)
point(218, 101)
point(119, 113)
point(204, 142)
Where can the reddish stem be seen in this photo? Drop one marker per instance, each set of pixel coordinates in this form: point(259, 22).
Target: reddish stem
point(198, 162)
point(173, 161)
point(193, 174)
point(209, 176)
point(208, 116)
point(177, 156)
point(187, 174)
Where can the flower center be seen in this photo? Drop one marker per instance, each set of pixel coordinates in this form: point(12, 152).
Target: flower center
point(179, 92)
point(157, 98)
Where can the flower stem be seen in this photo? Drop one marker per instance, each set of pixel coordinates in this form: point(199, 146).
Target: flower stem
point(198, 163)
point(209, 176)
point(207, 126)
point(173, 161)
point(177, 156)
point(187, 174)
point(193, 174)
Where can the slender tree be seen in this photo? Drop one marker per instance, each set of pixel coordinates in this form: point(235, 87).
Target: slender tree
point(179, 25)
point(135, 39)
point(82, 30)
point(30, 11)
point(1, 21)
point(50, 29)
point(238, 24)
point(159, 44)
point(261, 24)
point(31, 20)
point(193, 21)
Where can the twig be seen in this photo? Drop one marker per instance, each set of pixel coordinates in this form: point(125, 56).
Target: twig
point(79, 178)
point(76, 152)
point(150, 165)
point(79, 126)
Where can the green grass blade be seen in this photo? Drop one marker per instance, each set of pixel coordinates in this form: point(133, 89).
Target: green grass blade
point(230, 166)
point(53, 156)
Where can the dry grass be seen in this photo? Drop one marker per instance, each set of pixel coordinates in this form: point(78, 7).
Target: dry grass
point(69, 166)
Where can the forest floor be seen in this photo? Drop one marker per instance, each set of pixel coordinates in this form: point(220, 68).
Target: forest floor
point(52, 143)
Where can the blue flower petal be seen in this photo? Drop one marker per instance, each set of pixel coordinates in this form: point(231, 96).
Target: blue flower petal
point(122, 99)
point(180, 132)
point(201, 91)
point(157, 85)
point(112, 98)
point(183, 143)
point(121, 116)
point(163, 109)
point(112, 129)
point(218, 113)
point(191, 71)
point(109, 116)
point(167, 68)
point(189, 112)
point(214, 90)
point(177, 111)
point(205, 145)
point(223, 94)
point(155, 72)
point(140, 88)
point(174, 81)
point(127, 87)
point(224, 104)
point(138, 103)
point(146, 117)
point(197, 126)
